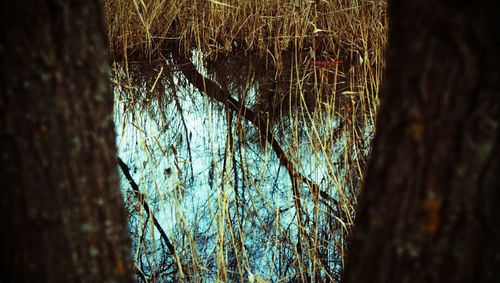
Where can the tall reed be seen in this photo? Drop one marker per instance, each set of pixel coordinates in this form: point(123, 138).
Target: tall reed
point(143, 28)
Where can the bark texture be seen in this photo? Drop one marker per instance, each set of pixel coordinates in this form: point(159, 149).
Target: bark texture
point(61, 208)
point(429, 210)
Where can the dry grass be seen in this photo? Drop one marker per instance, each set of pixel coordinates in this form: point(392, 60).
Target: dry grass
point(322, 117)
point(146, 27)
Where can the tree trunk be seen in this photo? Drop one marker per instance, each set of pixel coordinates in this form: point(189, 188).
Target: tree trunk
point(430, 207)
point(62, 212)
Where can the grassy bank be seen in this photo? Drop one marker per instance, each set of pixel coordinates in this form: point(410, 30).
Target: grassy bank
point(143, 28)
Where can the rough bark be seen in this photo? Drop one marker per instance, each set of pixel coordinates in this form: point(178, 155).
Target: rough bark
point(62, 212)
point(429, 210)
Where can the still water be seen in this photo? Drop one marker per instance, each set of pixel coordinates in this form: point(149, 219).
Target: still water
point(251, 172)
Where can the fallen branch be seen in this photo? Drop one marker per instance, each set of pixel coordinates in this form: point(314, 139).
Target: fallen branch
point(140, 198)
point(211, 89)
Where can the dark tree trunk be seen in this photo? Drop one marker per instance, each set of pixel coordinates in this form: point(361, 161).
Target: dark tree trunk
point(62, 214)
point(430, 207)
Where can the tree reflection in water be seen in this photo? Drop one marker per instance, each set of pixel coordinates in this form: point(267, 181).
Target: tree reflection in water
point(245, 170)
